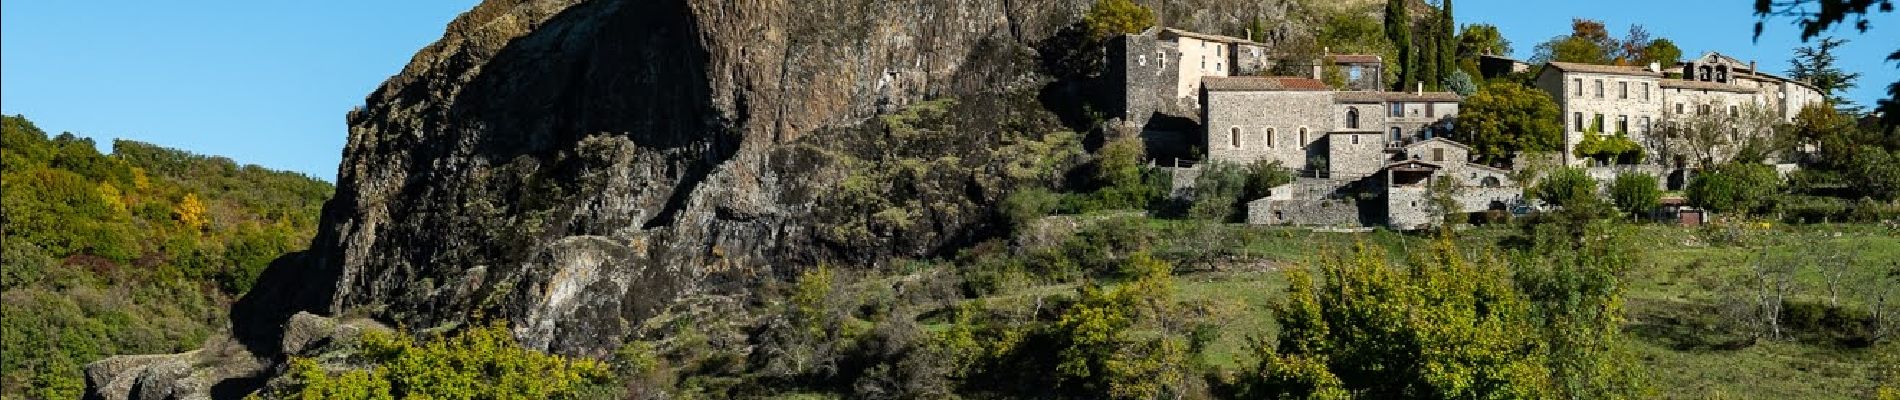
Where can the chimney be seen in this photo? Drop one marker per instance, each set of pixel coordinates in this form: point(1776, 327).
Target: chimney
point(1751, 67)
point(1655, 67)
point(1250, 34)
point(1421, 88)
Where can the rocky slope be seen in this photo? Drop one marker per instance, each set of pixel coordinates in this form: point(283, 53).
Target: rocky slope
point(575, 166)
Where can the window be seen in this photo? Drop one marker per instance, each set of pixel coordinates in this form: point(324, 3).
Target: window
point(1622, 124)
point(1352, 119)
point(1702, 110)
point(1438, 154)
point(1577, 83)
point(1431, 109)
point(1734, 111)
point(1645, 126)
point(1234, 136)
point(1579, 123)
point(1269, 137)
point(1645, 90)
point(1678, 108)
point(1624, 90)
point(1355, 139)
point(1597, 123)
point(1397, 135)
point(1161, 58)
point(1599, 88)
point(1302, 136)
point(1398, 109)
point(1141, 60)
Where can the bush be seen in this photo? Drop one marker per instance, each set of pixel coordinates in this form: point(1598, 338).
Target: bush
point(1635, 193)
point(1734, 187)
point(483, 362)
point(1027, 205)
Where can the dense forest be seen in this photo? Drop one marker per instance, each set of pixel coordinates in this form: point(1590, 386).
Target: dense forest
point(136, 251)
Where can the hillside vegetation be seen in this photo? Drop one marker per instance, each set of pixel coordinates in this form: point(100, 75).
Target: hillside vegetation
point(137, 251)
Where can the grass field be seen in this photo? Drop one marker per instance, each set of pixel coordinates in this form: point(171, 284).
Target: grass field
point(1674, 299)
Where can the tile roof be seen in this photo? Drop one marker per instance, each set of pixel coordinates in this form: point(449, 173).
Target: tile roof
point(1263, 83)
point(1356, 59)
point(1380, 97)
point(1603, 69)
point(1210, 37)
point(1700, 85)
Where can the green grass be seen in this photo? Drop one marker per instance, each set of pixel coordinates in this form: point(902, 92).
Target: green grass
point(1232, 273)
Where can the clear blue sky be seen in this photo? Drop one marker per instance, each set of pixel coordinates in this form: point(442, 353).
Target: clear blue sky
point(261, 82)
point(1697, 26)
point(268, 82)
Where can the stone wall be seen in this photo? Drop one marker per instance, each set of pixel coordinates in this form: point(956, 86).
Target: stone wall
point(1409, 207)
point(1354, 154)
point(1607, 174)
point(1268, 124)
point(1645, 100)
point(1477, 199)
point(1314, 212)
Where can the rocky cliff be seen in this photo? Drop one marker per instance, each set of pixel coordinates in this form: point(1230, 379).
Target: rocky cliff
point(574, 167)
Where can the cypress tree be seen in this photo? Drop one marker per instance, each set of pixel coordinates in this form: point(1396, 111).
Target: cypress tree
point(1398, 28)
point(1447, 45)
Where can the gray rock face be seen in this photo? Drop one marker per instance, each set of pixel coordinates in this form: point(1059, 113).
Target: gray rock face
point(575, 166)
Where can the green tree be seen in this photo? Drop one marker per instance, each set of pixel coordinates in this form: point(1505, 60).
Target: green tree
point(1101, 356)
point(1450, 327)
point(1736, 187)
point(1588, 43)
point(1482, 39)
point(1635, 193)
point(1661, 51)
point(1118, 173)
point(1817, 65)
point(1568, 188)
point(1504, 117)
point(1113, 17)
point(1398, 31)
point(477, 363)
point(1815, 17)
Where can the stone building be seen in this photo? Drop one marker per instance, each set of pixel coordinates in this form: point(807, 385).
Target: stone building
point(1611, 99)
point(1160, 69)
point(1281, 119)
point(1783, 95)
point(1607, 99)
point(1344, 145)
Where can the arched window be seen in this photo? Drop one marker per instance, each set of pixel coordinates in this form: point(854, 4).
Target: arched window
point(1490, 182)
point(1234, 136)
point(1302, 136)
point(1269, 137)
point(1352, 118)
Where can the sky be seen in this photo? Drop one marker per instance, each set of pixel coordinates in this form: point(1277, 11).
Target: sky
point(269, 82)
point(261, 82)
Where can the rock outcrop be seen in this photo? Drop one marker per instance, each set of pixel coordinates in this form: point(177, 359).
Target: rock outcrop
point(574, 166)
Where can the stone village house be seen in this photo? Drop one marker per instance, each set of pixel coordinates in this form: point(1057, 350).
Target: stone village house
point(1365, 156)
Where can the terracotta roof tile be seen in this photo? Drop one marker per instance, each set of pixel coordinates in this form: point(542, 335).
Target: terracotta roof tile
point(1356, 59)
point(1604, 69)
point(1210, 37)
point(1700, 85)
point(1263, 83)
point(1381, 97)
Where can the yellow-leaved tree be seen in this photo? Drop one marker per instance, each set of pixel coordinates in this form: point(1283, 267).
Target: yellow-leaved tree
point(191, 212)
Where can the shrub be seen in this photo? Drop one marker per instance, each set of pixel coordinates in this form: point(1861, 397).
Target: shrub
point(1635, 193)
point(1733, 187)
point(1113, 17)
point(1027, 205)
point(478, 363)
